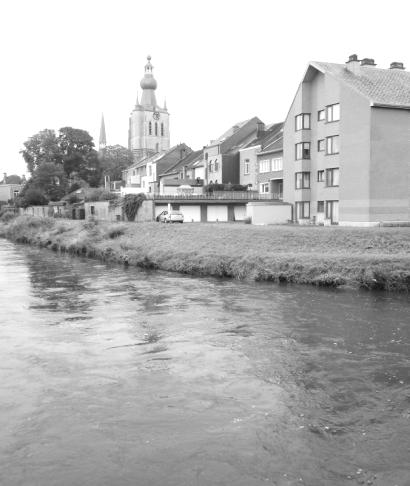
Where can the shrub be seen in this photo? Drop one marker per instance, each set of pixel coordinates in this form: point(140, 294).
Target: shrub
point(131, 204)
point(116, 230)
point(247, 220)
point(100, 195)
point(7, 216)
point(32, 197)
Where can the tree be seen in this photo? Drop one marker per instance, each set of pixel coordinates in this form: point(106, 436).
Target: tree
point(41, 147)
point(77, 149)
point(115, 159)
point(53, 160)
point(91, 171)
point(51, 179)
point(31, 196)
point(13, 179)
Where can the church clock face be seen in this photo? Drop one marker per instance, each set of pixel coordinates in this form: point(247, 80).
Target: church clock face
point(156, 115)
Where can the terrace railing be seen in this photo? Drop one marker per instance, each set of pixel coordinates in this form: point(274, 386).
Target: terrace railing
point(220, 195)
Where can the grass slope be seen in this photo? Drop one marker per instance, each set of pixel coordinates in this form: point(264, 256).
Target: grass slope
point(372, 258)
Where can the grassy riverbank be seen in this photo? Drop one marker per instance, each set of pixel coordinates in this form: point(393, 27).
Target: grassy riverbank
point(372, 258)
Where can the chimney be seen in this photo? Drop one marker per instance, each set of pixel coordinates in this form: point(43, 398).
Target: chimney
point(182, 153)
point(353, 64)
point(235, 128)
point(260, 129)
point(397, 65)
point(5, 177)
point(367, 62)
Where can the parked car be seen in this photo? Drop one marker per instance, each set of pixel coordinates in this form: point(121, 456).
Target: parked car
point(170, 217)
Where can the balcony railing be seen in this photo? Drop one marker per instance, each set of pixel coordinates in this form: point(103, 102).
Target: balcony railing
point(220, 195)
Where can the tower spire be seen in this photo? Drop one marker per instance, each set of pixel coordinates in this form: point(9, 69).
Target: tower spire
point(103, 139)
point(148, 85)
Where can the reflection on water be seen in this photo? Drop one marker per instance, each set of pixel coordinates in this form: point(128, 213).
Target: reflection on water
point(118, 377)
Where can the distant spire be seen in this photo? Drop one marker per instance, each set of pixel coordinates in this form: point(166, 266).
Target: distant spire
point(165, 104)
point(138, 101)
point(103, 139)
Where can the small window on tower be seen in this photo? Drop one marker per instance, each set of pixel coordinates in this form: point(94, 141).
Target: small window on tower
point(149, 128)
point(156, 128)
point(162, 129)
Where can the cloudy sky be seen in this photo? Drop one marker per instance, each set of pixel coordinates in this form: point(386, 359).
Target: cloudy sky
point(216, 62)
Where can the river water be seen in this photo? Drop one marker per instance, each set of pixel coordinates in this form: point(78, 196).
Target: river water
point(113, 376)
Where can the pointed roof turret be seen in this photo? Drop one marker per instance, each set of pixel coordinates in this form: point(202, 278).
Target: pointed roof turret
point(103, 138)
point(148, 85)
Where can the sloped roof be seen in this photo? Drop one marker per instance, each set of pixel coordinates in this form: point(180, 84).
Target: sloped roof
point(383, 87)
point(229, 132)
point(187, 161)
point(267, 136)
point(235, 137)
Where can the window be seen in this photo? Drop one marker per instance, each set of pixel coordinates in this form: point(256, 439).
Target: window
point(277, 164)
point(149, 128)
point(150, 170)
point(302, 150)
point(332, 211)
point(206, 156)
point(216, 166)
point(321, 206)
point(302, 121)
point(92, 209)
point(320, 115)
point(320, 175)
point(333, 113)
point(321, 145)
point(332, 177)
point(302, 210)
point(211, 166)
point(264, 187)
point(246, 166)
point(264, 166)
point(302, 180)
point(332, 145)
point(156, 128)
point(162, 129)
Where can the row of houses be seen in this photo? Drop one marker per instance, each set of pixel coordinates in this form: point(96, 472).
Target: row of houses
point(342, 155)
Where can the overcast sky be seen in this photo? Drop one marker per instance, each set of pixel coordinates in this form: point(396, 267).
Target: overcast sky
point(216, 62)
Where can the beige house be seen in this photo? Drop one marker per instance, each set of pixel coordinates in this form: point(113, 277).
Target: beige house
point(346, 144)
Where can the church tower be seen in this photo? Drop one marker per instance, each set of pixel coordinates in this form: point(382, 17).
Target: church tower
point(148, 131)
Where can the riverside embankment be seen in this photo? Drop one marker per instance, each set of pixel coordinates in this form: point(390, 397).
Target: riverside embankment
point(371, 258)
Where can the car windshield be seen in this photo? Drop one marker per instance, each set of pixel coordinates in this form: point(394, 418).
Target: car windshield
point(176, 212)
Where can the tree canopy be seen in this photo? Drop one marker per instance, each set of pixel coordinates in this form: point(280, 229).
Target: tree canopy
point(13, 179)
point(57, 160)
point(115, 159)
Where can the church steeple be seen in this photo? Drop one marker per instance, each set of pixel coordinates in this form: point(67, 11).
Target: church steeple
point(103, 139)
point(148, 85)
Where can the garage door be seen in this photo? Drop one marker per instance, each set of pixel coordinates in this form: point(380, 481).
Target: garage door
point(217, 213)
point(239, 213)
point(192, 214)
